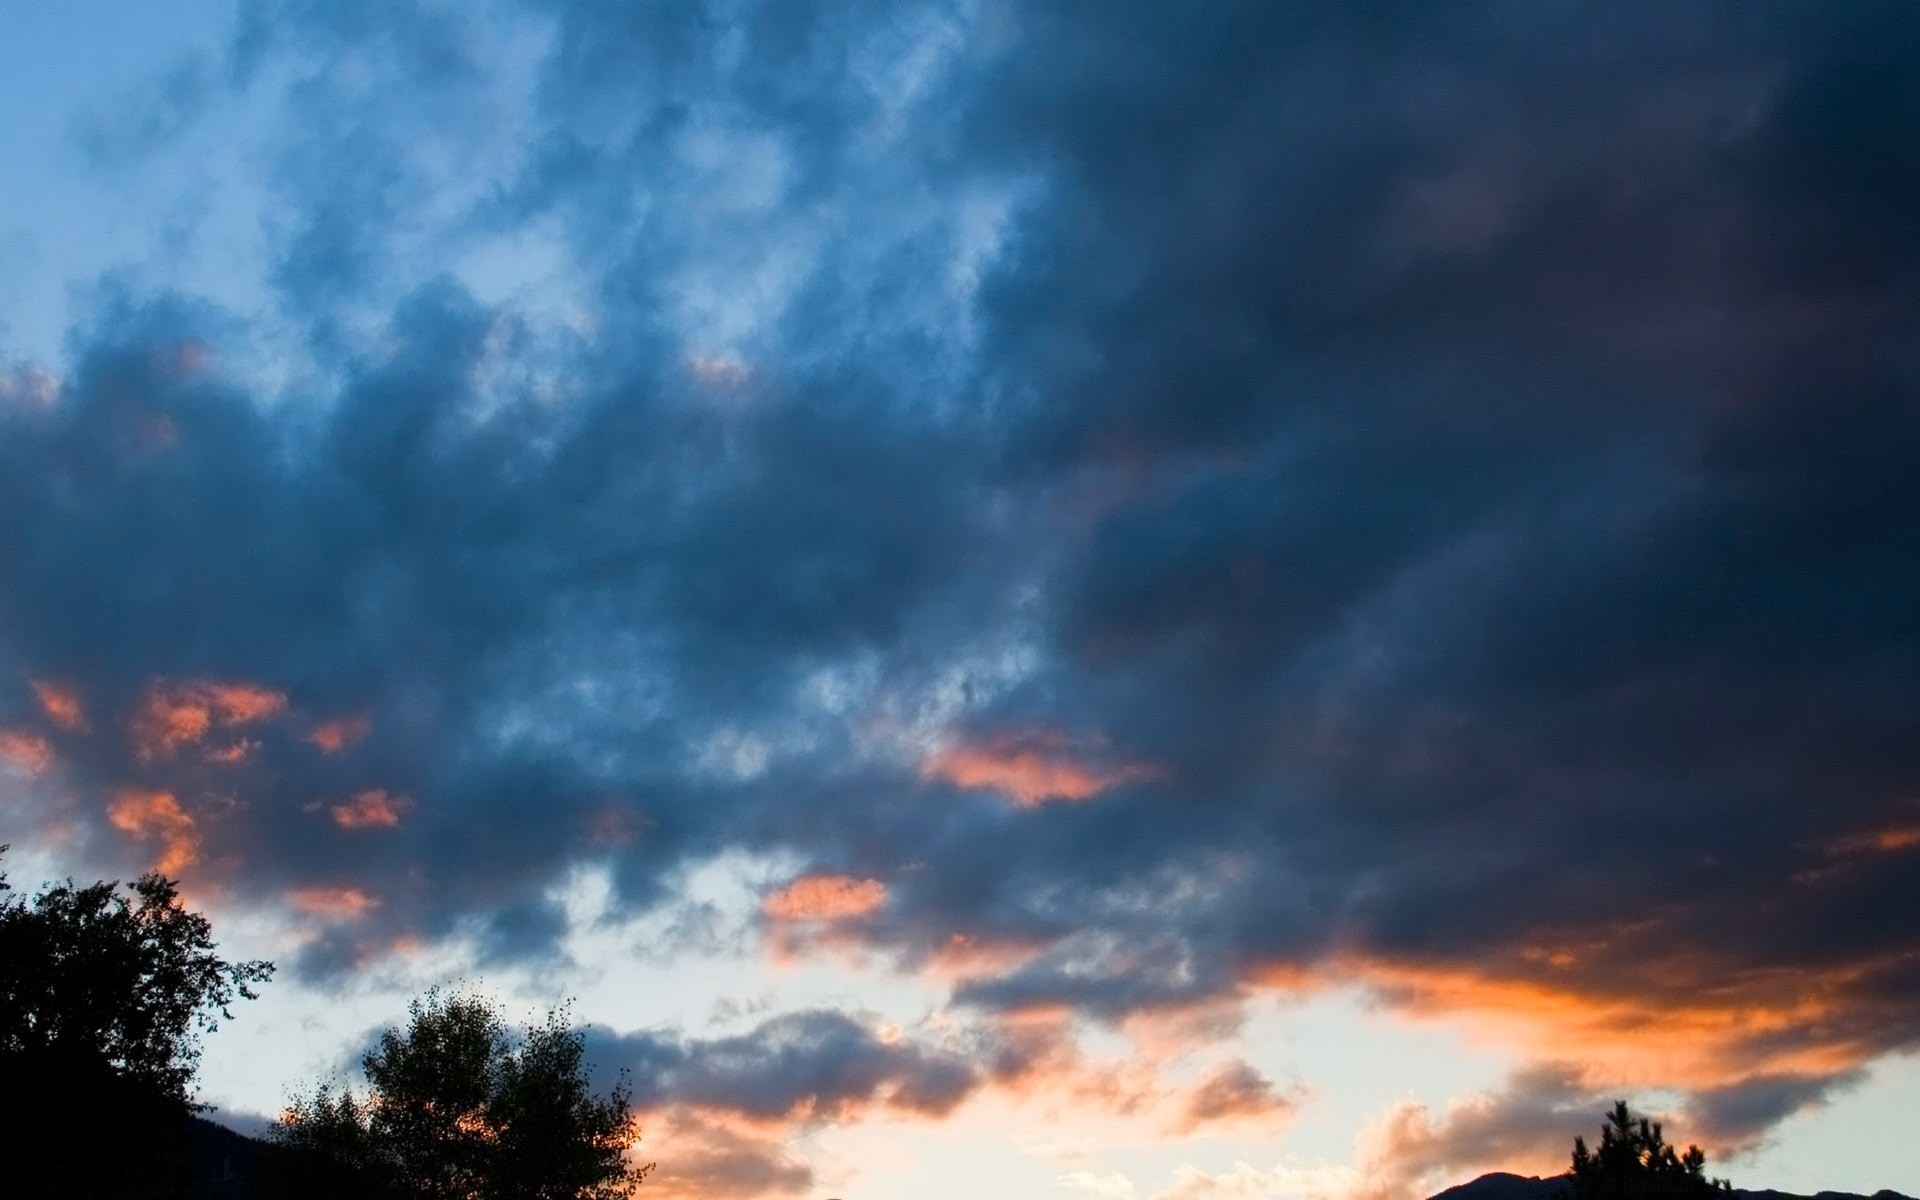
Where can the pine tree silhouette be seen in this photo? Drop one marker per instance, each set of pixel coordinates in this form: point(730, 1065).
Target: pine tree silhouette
point(1634, 1159)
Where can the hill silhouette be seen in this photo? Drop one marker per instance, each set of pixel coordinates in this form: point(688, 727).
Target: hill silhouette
point(1501, 1185)
point(227, 1161)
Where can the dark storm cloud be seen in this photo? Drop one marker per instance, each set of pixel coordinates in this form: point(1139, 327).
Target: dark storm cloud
point(1740, 1114)
point(1184, 498)
point(817, 1064)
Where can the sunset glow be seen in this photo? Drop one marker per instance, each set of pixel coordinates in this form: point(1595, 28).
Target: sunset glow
point(371, 809)
point(1030, 769)
point(333, 903)
point(173, 716)
point(1070, 601)
point(340, 733)
point(25, 750)
point(155, 817)
point(60, 704)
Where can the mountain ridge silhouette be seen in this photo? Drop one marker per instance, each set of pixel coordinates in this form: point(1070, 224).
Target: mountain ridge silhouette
point(1504, 1185)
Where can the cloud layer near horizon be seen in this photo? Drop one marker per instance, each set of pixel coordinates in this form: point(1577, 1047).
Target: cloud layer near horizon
point(1143, 507)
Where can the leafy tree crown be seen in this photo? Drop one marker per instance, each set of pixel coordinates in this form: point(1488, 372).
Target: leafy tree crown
point(97, 982)
point(458, 1108)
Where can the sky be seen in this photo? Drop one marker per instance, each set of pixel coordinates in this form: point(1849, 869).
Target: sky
point(1078, 598)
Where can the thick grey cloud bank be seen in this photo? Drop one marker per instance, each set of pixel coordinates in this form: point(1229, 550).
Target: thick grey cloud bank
point(1181, 493)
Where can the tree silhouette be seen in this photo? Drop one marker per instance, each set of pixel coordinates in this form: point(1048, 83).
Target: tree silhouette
point(103, 998)
point(1634, 1159)
point(457, 1109)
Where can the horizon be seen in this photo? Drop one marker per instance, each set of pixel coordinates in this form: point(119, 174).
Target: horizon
point(1101, 600)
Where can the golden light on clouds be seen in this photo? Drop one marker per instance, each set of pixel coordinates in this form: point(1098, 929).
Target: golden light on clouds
point(175, 715)
point(1890, 840)
point(340, 733)
point(61, 704)
point(25, 750)
point(333, 903)
point(1692, 1033)
point(156, 816)
point(1031, 768)
point(825, 898)
point(234, 752)
point(374, 808)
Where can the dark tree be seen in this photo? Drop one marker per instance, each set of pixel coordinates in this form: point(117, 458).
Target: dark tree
point(1634, 1159)
point(458, 1109)
point(103, 998)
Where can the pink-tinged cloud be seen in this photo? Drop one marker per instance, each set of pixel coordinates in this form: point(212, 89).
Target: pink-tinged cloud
point(374, 808)
point(703, 1155)
point(333, 903)
point(61, 704)
point(175, 715)
point(1032, 767)
point(1528, 1126)
point(233, 752)
point(1234, 1094)
point(825, 898)
point(340, 733)
point(156, 816)
point(25, 750)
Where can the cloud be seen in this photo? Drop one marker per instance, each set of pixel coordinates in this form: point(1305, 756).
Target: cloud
point(373, 808)
point(175, 715)
point(154, 816)
point(335, 904)
point(814, 1065)
point(61, 705)
point(825, 898)
point(703, 1156)
point(1235, 1091)
point(1738, 1117)
point(340, 733)
point(1526, 1126)
point(25, 750)
point(1030, 768)
point(1332, 472)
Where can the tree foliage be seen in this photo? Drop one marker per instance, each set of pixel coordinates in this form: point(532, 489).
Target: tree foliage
point(104, 995)
point(458, 1109)
point(1634, 1159)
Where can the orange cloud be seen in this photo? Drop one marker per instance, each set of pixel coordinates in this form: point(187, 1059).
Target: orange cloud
point(236, 752)
point(340, 733)
point(1526, 1126)
point(26, 750)
point(157, 816)
point(244, 703)
point(825, 898)
point(176, 715)
point(1679, 1025)
point(964, 957)
point(61, 704)
point(1890, 840)
point(371, 809)
point(1031, 768)
point(333, 903)
point(707, 1154)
